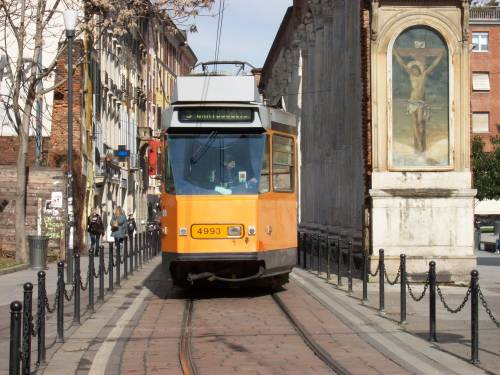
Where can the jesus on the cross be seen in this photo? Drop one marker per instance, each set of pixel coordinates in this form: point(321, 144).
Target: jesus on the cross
point(418, 73)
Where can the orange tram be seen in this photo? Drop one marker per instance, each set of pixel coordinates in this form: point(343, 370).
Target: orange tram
point(229, 192)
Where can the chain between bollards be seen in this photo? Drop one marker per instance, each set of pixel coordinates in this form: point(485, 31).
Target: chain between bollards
point(41, 318)
point(474, 317)
point(27, 327)
point(381, 275)
point(432, 301)
point(77, 282)
point(60, 301)
point(402, 291)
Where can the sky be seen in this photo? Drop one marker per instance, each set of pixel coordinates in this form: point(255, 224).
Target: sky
point(248, 30)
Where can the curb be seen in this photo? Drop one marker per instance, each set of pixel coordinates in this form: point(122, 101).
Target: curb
point(19, 267)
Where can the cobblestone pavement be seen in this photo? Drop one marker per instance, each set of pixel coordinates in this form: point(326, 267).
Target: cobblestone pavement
point(137, 330)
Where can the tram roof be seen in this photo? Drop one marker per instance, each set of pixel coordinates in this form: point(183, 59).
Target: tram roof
point(220, 89)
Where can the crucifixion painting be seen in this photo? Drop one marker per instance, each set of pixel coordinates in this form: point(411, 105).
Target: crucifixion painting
point(420, 99)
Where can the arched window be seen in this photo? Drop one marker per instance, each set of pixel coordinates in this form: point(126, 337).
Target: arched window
point(420, 100)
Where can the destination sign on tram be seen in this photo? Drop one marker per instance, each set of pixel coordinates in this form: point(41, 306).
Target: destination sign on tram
point(215, 115)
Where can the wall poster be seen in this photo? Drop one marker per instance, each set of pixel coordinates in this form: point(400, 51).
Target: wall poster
point(420, 100)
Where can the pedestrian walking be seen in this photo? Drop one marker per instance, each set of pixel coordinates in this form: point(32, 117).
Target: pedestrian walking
point(131, 226)
point(118, 227)
point(95, 228)
point(497, 245)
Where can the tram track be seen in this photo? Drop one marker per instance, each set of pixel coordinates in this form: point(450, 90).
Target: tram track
point(309, 340)
point(185, 353)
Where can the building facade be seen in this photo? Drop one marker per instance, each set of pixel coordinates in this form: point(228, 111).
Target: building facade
point(381, 88)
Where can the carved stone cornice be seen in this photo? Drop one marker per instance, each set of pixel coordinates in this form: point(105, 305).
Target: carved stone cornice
point(465, 20)
point(374, 19)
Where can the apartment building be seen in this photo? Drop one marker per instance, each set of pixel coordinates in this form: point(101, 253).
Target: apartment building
point(485, 72)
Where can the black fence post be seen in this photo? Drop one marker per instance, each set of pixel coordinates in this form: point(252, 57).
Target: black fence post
point(118, 265)
point(42, 293)
point(474, 317)
point(60, 301)
point(131, 254)
point(318, 247)
point(365, 276)
point(402, 293)
point(298, 248)
point(77, 282)
point(136, 250)
point(141, 248)
point(349, 267)
point(101, 274)
point(125, 259)
point(432, 301)
point(15, 337)
point(339, 263)
point(148, 245)
point(381, 274)
point(110, 266)
point(307, 241)
point(91, 281)
point(328, 257)
point(27, 327)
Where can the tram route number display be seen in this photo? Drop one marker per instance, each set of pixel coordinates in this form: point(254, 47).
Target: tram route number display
point(213, 231)
point(215, 115)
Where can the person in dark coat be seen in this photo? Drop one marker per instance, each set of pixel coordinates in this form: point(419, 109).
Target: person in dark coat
point(131, 226)
point(95, 228)
point(118, 227)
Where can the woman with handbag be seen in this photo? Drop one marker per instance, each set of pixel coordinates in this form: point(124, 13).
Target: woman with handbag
point(118, 227)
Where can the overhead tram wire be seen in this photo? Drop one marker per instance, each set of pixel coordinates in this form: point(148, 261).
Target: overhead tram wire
point(217, 35)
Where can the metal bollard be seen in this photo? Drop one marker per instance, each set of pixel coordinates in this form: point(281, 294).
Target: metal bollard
point(125, 256)
point(101, 274)
point(41, 317)
point(307, 241)
point(110, 266)
point(141, 248)
point(77, 282)
point(365, 276)
point(349, 267)
point(15, 337)
point(91, 281)
point(339, 263)
point(474, 317)
point(381, 275)
point(60, 301)
point(402, 259)
point(27, 327)
point(136, 251)
point(298, 249)
point(118, 265)
point(328, 258)
point(432, 301)
point(131, 254)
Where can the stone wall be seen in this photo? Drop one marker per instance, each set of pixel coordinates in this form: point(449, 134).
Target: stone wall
point(41, 183)
point(9, 147)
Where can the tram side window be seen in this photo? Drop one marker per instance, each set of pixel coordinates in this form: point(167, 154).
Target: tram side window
point(264, 175)
point(167, 173)
point(283, 164)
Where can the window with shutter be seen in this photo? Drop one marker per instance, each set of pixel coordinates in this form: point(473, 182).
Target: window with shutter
point(480, 122)
point(481, 81)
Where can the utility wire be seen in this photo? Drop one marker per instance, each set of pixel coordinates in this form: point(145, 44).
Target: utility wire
point(217, 34)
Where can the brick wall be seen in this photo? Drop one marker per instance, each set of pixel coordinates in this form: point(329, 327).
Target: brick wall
point(9, 147)
point(58, 145)
point(487, 62)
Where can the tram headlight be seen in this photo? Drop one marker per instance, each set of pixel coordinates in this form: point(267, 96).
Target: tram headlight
point(251, 230)
point(234, 231)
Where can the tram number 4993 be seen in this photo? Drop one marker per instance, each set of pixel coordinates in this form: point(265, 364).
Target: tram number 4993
point(205, 231)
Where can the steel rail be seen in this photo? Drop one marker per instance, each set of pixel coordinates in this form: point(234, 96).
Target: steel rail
point(308, 339)
point(185, 355)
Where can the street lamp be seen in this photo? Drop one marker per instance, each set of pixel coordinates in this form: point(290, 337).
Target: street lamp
point(70, 17)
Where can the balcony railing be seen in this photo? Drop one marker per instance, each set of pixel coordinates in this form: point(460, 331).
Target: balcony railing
point(488, 14)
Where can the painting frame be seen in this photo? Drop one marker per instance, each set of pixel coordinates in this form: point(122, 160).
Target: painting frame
point(390, 106)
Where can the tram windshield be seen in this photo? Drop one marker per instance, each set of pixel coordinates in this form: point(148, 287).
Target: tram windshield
point(215, 164)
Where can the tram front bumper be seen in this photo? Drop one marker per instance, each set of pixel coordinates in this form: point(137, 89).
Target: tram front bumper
point(274, 262)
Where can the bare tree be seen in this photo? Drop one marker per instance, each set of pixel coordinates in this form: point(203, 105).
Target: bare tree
point(25, 26)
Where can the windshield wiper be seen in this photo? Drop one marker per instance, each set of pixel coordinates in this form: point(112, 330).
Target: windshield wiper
point(203, 149)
